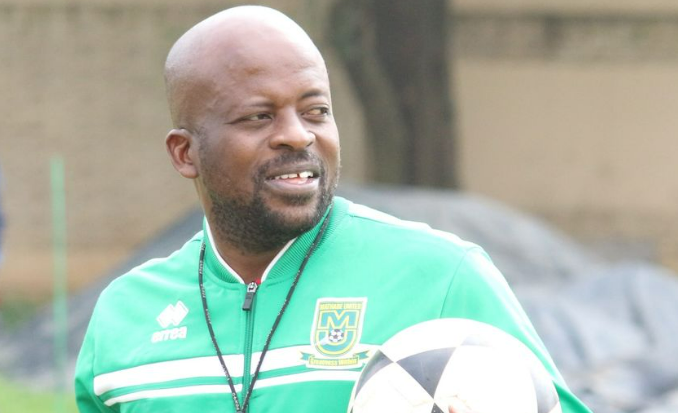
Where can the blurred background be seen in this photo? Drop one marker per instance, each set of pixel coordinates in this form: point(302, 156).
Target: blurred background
point(562, 111)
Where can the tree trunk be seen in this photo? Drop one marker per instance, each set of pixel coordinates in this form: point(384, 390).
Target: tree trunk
point(395, 52)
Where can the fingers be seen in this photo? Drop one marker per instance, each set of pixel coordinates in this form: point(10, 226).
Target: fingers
point(458, 406)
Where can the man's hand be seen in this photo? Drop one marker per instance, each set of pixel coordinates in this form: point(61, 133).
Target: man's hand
point(458, 406)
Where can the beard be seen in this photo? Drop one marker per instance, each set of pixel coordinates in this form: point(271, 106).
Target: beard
point(248, 223)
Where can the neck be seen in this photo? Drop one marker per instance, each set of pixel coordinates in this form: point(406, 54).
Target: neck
point(249, 266)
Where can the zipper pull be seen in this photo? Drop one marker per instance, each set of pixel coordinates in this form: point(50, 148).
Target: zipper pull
point(249, 296)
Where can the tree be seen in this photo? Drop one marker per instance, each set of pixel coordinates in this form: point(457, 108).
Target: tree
point(395, 52)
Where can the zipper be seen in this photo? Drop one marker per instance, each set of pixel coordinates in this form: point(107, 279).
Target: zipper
point(249, 333)
point(249, 296)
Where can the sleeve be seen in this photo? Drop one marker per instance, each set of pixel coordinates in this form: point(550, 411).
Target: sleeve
point(85, 397)
point(479, 291)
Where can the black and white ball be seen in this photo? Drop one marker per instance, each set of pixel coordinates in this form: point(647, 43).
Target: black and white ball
point(336, 335)
point(424, 367)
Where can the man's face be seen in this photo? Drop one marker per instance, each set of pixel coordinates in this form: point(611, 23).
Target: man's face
point(268, 146)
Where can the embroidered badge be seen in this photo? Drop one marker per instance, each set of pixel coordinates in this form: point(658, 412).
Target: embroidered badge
point(335, 334)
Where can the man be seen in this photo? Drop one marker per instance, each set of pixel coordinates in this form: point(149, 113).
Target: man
point(278, 303)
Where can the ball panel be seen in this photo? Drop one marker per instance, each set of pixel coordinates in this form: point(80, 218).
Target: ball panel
point(438, 335)
point(546, 394)
point(477, 338)
point(376, 363)
point(556, 409)
point(437, 409)
point(475, 372)
point(392, 389)
point(427, 367)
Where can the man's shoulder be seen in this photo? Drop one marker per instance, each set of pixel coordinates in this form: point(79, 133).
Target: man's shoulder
point(156, 272)
point(386, 228)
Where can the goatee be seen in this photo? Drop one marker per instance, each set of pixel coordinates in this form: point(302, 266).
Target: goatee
point(252, 226)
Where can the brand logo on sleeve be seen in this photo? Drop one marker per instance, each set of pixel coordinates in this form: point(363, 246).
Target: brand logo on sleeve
point(171, 316)
point(335, 334)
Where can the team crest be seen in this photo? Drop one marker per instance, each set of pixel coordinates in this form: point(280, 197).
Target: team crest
point(335, 334)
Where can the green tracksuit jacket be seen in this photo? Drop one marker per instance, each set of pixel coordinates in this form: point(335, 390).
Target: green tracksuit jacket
point(147, 348)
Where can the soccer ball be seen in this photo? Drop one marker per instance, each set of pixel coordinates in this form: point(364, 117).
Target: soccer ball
point(336, 335)
point(424, 367)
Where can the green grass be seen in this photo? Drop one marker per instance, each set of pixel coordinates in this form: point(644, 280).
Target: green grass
point(18, 398)
point(15, 398)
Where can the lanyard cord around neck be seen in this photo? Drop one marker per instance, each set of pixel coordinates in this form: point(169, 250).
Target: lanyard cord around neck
point(208, 320)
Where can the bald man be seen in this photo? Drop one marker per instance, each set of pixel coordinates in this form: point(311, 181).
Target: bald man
point(286, 293)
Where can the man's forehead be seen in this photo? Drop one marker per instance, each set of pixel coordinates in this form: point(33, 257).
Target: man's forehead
point(244, 41)
point(265, 78)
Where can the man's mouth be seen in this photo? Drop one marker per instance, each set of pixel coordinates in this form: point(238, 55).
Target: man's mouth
point(297, 176)
point(304, 180)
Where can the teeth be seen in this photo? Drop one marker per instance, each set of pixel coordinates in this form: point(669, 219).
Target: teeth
point(305, 174)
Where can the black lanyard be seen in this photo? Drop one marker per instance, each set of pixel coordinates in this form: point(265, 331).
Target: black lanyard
point(243, 408)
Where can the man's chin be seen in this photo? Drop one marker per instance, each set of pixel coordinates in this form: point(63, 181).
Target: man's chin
point(298, 214)
point(297, 217)
point(292, 200)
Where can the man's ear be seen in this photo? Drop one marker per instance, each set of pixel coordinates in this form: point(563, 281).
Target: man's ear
point(182, 148)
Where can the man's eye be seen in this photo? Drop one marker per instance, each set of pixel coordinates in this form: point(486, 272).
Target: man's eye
point(257, 116)
point(319, 111)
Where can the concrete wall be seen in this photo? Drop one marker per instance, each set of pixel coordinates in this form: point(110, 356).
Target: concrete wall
point(83, 79)
point(581, 135)
point(633, 7)
point(571, 116)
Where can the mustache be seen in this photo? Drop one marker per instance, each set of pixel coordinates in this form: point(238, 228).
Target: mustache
point(291, 159)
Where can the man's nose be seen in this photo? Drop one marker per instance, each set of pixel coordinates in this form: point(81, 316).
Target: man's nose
point(292, 133)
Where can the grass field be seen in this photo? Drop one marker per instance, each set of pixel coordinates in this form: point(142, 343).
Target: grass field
point(18, 398)
point(15, 398)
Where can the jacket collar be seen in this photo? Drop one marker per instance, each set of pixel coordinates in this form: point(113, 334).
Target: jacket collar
point(288, 260)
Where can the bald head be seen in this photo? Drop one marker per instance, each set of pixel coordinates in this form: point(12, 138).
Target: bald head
point(201, 60)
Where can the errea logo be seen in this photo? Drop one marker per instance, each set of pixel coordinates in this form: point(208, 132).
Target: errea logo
point(172, 315)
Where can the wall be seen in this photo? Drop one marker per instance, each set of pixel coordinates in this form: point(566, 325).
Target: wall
point(569, 114)
point(564, 110)
point(83, 80)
